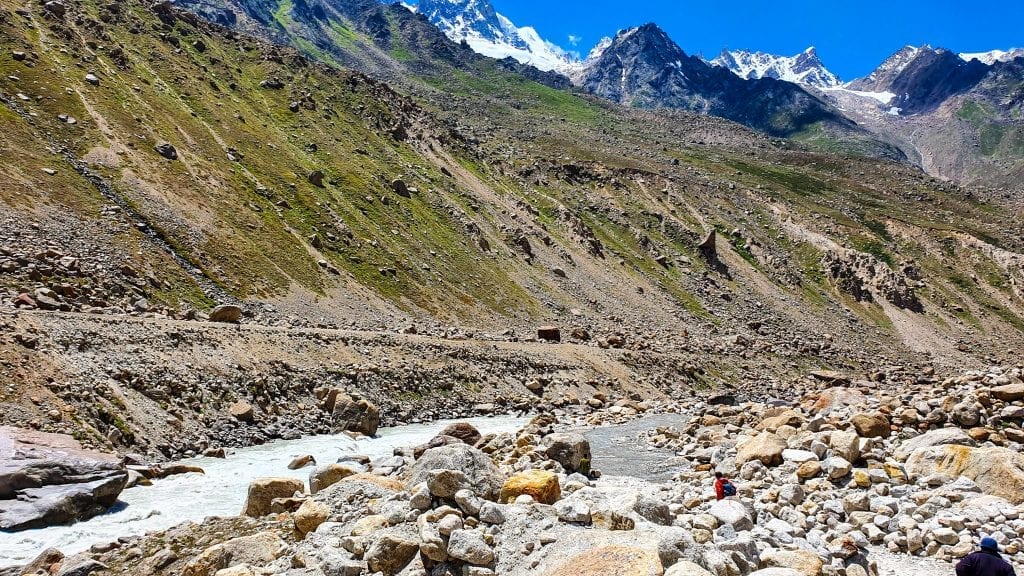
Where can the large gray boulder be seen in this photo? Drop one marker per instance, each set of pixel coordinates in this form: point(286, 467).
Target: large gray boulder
point(48, 480)
point(733, 513)
point(571, 450)
point(997, 471)
point(482, 476)
point(940, 437)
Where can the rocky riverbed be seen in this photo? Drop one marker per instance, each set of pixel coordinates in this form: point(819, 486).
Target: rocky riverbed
point(835, 482)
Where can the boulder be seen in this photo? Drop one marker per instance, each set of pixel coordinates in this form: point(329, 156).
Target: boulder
point(463, 431)
point(549, 334)
point(540, 484)
point(733, 513)
point(48, 561)
point(571, 450)
point(939, 437)
point(608, 560)
point(804, 562)
point(836, 467)
point(166, 150)
point(469, 546)
point(301, 462)
point(997, 471)
point(808, 470)
point(401, 188)
point(56, 504)
point(845, 445)
point(323, 476)
point(871, 425)
point(257, 550)
point(482, 476)
point(316, 178)
point(767, 447)
point(227, 313)
point(263, 491)
point(786, 418)
point(1010, 392)
point(82, 568)
point(391, 553)
point(776, 572)
point(355, 415)
point(435, 442)
point(310, 516)
point(834, 398)
point(687, 568)
point(445, 483)
point(48, 480)
point(242, 411)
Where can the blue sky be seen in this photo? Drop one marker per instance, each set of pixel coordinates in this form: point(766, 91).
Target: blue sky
point(852, 38)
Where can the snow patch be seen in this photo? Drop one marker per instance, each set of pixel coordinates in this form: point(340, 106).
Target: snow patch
point(883, 98)
point(993, 56)
point(491, 34)
point(804, 68)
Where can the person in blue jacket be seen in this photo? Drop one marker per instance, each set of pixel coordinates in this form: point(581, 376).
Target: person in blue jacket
point(985, 562)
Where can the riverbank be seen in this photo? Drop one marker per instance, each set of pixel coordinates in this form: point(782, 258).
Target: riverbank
point(221, 489)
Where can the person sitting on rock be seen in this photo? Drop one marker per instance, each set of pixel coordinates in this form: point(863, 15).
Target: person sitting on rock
point(723, 487)
point(985, 562)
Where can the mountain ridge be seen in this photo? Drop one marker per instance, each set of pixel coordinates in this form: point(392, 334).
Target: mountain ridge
point(805, 69)
point(489, 33)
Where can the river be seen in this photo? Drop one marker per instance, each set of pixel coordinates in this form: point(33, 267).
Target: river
point(221, 491)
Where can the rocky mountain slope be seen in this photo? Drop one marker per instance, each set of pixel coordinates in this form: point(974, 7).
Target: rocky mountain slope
point(161, 164)
point(922, 78)
point(210, 240)
point(958, 119)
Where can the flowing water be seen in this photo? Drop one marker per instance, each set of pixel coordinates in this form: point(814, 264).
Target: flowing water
point(219, 492)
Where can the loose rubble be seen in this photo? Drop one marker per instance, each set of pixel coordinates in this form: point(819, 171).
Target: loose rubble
point(824, 488)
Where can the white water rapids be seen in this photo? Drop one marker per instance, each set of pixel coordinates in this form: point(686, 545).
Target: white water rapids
point(219, 492)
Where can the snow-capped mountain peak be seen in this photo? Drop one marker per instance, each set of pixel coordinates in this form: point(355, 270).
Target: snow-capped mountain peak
point(805, 68)
point(491, 34)
point(993, 56)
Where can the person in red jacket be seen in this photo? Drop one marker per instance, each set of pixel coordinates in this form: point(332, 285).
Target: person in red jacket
point(723, 487)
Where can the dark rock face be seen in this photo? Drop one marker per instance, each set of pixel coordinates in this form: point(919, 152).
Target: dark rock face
point(643, 67)
point(924, 78)
point(62, 503)
point(167, 151)
point(52, 483)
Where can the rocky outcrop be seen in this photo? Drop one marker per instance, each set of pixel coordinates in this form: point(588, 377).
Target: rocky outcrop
point(350, 414)
point(940, 437)
point(255, 550)
point(571, 450)
point(766, 448)
point(263, 492)
point(47, 480)
point(481, 475)
point(996, 471)
point(865, 277)
point(620, 560)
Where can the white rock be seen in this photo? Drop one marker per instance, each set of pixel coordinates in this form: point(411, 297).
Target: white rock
point(732, 513)
point(798, 456)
